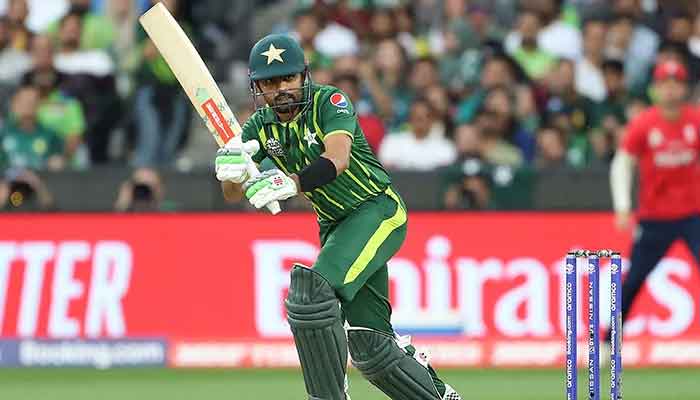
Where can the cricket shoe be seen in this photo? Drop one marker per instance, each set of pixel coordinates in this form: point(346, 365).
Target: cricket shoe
point(451, 394)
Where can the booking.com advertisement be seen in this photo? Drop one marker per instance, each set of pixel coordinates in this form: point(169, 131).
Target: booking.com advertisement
point(208, 290)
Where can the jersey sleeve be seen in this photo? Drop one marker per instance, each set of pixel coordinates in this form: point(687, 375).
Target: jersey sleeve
point(337, 115)
point(251, 131)
point(633, 139)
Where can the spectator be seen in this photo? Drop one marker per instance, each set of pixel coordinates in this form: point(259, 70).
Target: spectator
point(423, 74)
point(163, 110)
point(459, 66)
point(472, 188)
point(336, 40)
point(306, 27)
point(382, 25)
point(90, 78)
point(562, 107)
point(24, 191)
point(454, 10)
point(74, 60)
point(58, 111)
point(386, 83)
point(415, 46)
point(551, 148)
point(96, 31)
point(439, 99)
point(417, 149)
point(346, 65)
point(468, 142)
point(533, 60)
point(589, 72)
point(123, 16)
point(25, 142)
point(372, 126)
point(495, 148)
point(20, 35)
point(679, 31)
point(497, 71)
point(628, 39)
point(13, 64)
point(500, 101)
point(556, 37)
point(142, 192)
point(609, 115)
point(482, 23)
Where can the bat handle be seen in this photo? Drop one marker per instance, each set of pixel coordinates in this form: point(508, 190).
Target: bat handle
point(273, 207)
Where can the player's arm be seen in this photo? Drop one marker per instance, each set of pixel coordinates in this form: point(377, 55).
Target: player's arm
point(338, 121)
point(621, 175)
point(274, 185)
point(333, 162)
point(622, 172)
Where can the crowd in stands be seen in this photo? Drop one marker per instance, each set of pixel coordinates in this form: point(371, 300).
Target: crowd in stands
point(478, 89)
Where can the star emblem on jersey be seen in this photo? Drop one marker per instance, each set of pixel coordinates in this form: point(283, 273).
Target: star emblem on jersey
point(274, 148)
point(310, 138)
point(273, 54)
point(339, 100)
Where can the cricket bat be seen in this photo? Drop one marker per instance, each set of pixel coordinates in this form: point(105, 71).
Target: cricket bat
point(194, 77)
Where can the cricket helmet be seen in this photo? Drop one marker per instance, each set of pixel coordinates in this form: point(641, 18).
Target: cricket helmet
point(275, 55)
point(278, 55)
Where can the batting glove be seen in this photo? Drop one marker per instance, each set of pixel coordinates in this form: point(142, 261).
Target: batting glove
point(233, 161)
point(271, 185)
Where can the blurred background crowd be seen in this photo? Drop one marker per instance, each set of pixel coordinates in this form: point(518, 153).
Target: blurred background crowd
point(482, 92)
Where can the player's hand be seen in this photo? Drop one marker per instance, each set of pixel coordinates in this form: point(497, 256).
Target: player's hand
point(271, 185)
point(233, 161)
point(623, 220)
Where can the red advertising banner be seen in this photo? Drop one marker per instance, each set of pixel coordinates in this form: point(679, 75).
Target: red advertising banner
point(481, 289)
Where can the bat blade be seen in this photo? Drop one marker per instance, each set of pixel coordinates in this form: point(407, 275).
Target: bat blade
point(191, 71)
point(194, 77)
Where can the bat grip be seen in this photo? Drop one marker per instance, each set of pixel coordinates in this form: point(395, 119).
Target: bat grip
point(274, 206)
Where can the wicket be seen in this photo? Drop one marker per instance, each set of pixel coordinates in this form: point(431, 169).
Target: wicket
point(593, 258)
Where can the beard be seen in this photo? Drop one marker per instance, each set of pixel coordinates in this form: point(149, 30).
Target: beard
point(286, 103)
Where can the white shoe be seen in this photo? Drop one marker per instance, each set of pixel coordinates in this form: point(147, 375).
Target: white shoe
point(451, 394)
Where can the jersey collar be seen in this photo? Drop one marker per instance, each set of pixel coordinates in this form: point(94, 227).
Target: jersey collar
point(270, 117)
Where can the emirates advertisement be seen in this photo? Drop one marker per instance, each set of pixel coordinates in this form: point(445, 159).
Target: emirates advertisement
point(188, 290)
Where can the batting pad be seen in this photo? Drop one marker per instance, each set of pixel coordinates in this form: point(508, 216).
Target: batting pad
point(388, 367)
point(313, 312)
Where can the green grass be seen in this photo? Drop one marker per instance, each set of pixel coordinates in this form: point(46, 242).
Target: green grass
point(473, 384)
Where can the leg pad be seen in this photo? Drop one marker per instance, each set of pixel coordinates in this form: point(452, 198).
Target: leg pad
point(313, 312)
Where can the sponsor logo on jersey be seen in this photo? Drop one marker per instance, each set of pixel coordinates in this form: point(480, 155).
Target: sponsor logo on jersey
point(339, 100)
point(655, 138)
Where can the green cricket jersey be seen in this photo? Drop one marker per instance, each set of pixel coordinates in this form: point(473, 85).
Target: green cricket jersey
point(295, 144)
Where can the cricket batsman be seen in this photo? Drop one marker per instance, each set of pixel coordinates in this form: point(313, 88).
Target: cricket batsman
point(311, 134)
point(664, 140)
